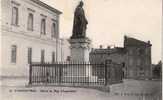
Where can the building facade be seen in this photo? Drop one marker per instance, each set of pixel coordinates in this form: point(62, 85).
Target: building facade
point(135, 57)
point(138, 58)
point(157, 70)
point(29, 33)
point(100, 55)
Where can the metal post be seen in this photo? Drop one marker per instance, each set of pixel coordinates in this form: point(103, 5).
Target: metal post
point(106, 78)
point(30, 74)
point(60, 73)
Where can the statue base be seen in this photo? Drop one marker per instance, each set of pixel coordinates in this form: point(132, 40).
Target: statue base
point(80, 49)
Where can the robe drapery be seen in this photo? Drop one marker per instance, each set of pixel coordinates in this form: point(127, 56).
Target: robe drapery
point(80, 23)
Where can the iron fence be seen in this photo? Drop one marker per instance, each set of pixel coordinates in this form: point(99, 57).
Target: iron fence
point(74, 73)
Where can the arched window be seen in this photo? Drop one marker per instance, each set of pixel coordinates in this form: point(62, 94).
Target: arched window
point(53, 31)
point(15, 16)
point(30, 22)
point(43, 26)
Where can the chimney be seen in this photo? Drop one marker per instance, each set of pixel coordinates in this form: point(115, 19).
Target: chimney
point(101, 47)
point(108, 47)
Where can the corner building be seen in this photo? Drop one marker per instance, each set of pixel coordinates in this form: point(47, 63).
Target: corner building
point(135, 57)
point(29, 33)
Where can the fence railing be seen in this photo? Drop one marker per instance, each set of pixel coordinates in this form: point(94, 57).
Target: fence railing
point(72, 73)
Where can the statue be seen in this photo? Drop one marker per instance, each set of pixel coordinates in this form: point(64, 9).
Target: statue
point(80, 22)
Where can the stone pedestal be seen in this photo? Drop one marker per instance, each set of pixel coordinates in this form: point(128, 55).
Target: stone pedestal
point(80, 49)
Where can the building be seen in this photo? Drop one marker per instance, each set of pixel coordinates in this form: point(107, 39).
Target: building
point(30, 33)
point(157, 70)
point(138, 58)
point(135, 57)
point(100, 55)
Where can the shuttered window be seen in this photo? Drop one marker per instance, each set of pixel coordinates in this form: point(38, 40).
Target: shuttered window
point(30, 22)
point(14, 16)
point(13, 53)
point(29, 55)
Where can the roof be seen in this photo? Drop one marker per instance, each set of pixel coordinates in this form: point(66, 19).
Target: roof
point(46, 6)
point(118, 50)
point(129, 41)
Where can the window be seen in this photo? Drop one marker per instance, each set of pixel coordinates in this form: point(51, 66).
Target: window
point(30, 22)
point(15, 16)
point(53, 57)
point(29, 55)
point(43, 26)
point(53, 31)
point(42, 56)
point(13, 53)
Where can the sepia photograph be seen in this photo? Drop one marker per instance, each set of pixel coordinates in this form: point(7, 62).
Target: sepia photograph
point(81, 49)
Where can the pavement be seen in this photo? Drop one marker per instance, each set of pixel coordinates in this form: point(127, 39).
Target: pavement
point(17, 89)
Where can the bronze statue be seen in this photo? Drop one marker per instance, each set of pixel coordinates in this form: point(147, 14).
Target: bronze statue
point(80, 22)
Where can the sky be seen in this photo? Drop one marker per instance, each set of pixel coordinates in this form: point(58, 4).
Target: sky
point(110, 20)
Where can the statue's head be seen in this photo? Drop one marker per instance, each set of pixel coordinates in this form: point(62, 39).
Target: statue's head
point(81, 3)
